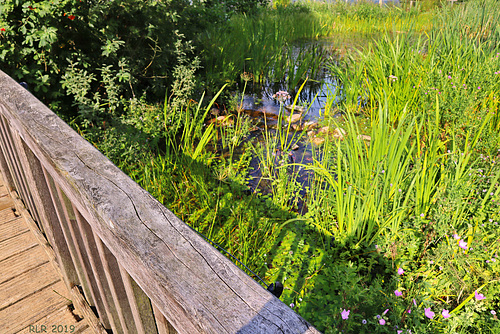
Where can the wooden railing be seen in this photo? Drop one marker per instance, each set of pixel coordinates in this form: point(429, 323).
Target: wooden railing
point(140, 268)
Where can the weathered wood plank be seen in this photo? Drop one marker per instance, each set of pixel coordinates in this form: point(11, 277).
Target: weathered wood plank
point(31, 309)
point(17, 244)
point(191, 283)
point(12, 228)
point(5, 203)
point(27, 284)
point(8, 215)
point(60, 321)
point(21, 262)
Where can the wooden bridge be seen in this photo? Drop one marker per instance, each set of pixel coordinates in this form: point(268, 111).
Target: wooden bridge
point(123, 263)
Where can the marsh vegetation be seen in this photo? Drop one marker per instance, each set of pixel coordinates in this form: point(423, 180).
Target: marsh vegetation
point(377, 208)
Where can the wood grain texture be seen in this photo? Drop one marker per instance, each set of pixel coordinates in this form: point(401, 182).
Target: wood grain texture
point(31, 293)
point(32, 308)
point(195, 287)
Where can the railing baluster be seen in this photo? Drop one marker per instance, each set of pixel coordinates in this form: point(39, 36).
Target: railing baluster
point(164, 327)
point(106, 286)
point(88, 286)
point(35, 179)
point(90, 268)
point(18, 171)
point(140, 303)
point(4, 163)
point(115, 282)
point(7, 149)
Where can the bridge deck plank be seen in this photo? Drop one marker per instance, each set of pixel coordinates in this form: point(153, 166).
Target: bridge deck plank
point(33, 297)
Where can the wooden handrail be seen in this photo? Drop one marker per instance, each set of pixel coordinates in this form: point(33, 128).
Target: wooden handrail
point(143, 269)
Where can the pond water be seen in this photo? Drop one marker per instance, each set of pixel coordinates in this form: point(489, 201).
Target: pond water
point(258, 102)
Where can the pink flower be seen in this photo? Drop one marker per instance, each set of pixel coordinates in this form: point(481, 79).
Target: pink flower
point(446, 314)
point(479, 296)
point(382, 322)
point(428, 313)
point(398, 293)
point(462, 244)
point(400, 271)
point(456, 236)
point(345, 314)
point(385, 312)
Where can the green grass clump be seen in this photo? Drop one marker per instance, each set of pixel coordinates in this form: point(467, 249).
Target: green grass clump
point(263, 44)
point(401, 231)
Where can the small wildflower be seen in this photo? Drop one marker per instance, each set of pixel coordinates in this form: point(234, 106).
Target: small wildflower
point(385, 312)
point(71, 17)
point(446, 314)
point(364, 322)
point(398, 293)
point(2, 29)
point(345, 314)
point(414, 302)
point(479, 296)
point(428, 313)
point(382, 322)
point(409, 310)
point(493, 312)
point(462, 244)
point(292, 305)
point(281, 96)
point(400, 271)
point(456, 236)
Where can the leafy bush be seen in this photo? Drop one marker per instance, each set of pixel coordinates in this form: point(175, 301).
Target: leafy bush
point(44, 40)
